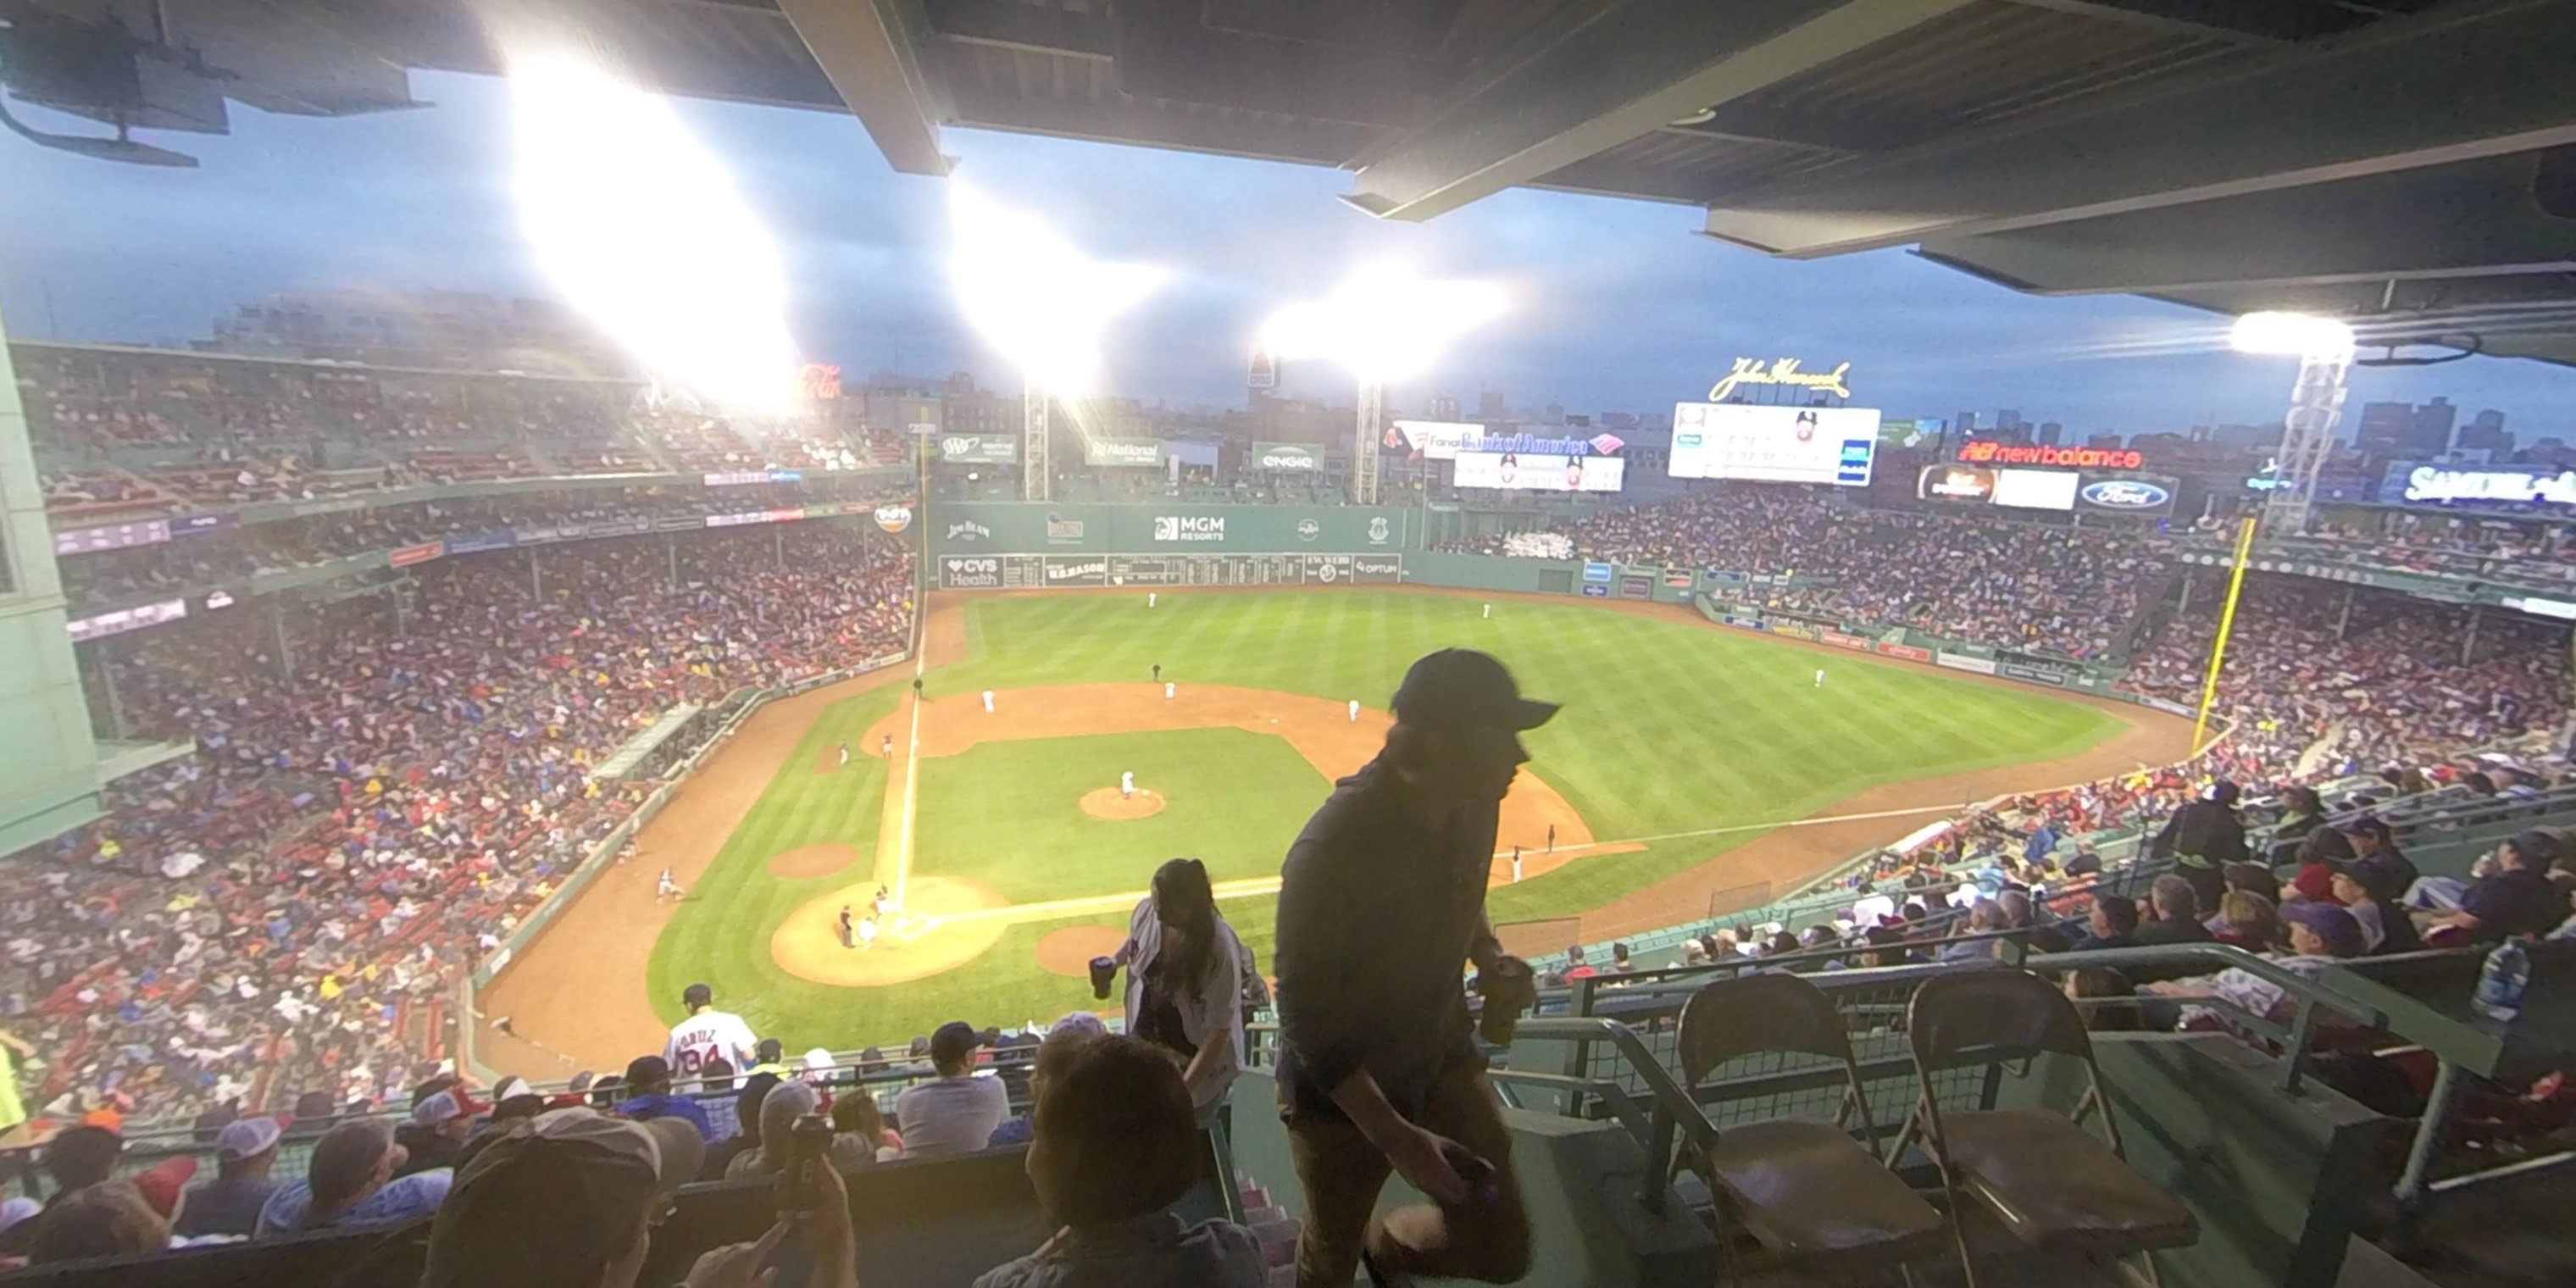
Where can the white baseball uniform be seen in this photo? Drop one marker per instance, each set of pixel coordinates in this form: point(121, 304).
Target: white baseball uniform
point(1168, 686)
point(1355, 711)
point(703, 1037)
point(1820, 679)
point(988, 702)
point(1127, 784)
point(867, 931)
point(1151, 598)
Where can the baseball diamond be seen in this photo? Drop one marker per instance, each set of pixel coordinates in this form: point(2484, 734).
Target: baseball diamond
point(1010, 854)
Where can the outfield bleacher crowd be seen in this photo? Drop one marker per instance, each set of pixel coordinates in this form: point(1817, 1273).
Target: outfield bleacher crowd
point(2072, 592)
point(290, 908)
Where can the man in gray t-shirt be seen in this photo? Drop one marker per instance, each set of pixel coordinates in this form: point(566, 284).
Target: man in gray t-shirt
point(957, 1113)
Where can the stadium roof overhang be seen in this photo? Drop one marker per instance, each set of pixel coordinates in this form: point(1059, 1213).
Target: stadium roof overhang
point(2405, 163)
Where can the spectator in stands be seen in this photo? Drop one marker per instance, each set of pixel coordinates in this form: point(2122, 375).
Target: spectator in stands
point(2177, 914)
point(1117, 1144)
point(567, 1199)
point(2201, 838)
point(770, 1057)
point(105, 1220)
point(1071, 1030)
point(2252, 878)
point(1886, 947)
point(1184, 980)
point(1985, 916)
point(746, 1117)
point(2373, 843)
point(956, 1112)
point(1382, 896)
point(1619, 963)
point(2249, 921)
point(1575, 966)
point(2019, 915)
point(2094, 983)
point(2086, 862)
point(2364, 891)
point(245, 1151)
point(648, 1083)
point(349, 1182)
point(855, 1118)
point(75, 1159)
point(2114, 924)
point(2301, 813)
point(436, 1133)
point(2320, 935)
point(779, 1111)
point(2512, 897)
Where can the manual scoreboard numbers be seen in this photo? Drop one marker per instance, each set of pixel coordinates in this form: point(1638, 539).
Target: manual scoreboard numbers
point(1071, 572)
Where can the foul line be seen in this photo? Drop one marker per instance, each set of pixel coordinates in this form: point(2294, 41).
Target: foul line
point(911, 761)
point(1255, 886)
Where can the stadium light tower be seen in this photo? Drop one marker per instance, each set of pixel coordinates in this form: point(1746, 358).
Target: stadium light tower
point(2323, 347)
point(1043, 303)
point(1382, 323)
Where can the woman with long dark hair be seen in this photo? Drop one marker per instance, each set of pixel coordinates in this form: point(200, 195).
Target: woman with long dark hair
point(1184, 981)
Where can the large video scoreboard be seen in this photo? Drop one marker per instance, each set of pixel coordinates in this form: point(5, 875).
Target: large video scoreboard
point(1069, 572)
point(1833, 445)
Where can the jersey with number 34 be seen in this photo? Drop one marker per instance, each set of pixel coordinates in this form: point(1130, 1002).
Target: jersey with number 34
point(704, 1036)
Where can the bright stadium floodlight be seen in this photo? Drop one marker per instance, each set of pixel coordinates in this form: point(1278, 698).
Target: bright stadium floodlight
point(1382, 323)
point(1033, 295)
point(2291, 334)
point(642, 228)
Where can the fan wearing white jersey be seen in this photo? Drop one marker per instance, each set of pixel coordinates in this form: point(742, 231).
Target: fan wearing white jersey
point(706, 1034)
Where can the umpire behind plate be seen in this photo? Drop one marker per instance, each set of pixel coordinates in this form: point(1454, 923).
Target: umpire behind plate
point(1382, 899)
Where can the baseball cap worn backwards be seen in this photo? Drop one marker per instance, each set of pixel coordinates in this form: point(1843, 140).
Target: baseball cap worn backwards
point(1459, 687)
point(247, 1138)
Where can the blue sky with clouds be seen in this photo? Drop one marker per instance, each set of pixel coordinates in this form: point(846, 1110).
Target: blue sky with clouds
point(1616, 305)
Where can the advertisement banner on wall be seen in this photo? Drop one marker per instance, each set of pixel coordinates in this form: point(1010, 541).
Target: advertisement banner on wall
point(978, 449)
point(2032, 674)
point(1677, 578)
point(1595, 590)
point(1140, 453)
point(1538, 472)
point(1845, 641)
point(970, 572)
point(1596, 572)
point(1435, 440)
point(2133, 495)
point(1377, 569)
point(1906, 651)
point(1077, 572)
point(405, 556)
point(1636, 586)
point(1061, 531)
point(1196, 528)
point(477, 542)
point(1796, 631)
point(1963, 662)
point(1299, 457)
point(1775, 444)
point(1741, 621)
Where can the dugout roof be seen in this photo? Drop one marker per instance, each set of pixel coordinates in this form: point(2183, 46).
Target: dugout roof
point(2399, 162)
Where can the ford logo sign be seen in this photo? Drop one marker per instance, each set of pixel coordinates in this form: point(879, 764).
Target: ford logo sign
point(2125, 494)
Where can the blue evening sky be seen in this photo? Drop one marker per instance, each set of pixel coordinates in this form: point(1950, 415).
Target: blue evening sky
point(1615, 304)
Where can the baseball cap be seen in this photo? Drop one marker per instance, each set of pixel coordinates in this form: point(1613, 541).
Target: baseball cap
point(769, 1050)
point(818, 1059)
point(160, 1185)
point(2363, 825)
point(247, 1138)
point(2536, 847)
point(514, 1085)
point(954, 1041)
point(697, 995)
point(647, 1069)
point(443, 1107)
point(1458, 686)
point(536, 1170)
point(2331, 923)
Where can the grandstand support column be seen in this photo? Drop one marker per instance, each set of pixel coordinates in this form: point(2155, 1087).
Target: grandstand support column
point(1364, 455)
point(778, 543)
point(286, 646)
point(536, 577)
point(1036, 474)
point(2343, 614)
point(2307, 435)
point(2469, 637)
point(671, 551)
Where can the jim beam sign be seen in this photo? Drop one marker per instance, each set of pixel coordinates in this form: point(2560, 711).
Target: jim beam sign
point(1781, 372)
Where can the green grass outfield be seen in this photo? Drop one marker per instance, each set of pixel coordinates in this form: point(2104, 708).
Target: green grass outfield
point(1668, 727)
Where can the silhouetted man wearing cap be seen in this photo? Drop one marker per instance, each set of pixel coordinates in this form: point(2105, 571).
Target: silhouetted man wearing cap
point(2202, 838)
point(1382, 899)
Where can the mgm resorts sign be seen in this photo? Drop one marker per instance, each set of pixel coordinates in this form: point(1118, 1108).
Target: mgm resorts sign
point(1189, 527)
point(1781, 372)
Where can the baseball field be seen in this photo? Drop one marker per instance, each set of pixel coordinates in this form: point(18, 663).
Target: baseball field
point(1688, 761)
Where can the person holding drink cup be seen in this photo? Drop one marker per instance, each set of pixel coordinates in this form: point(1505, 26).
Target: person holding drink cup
point(1382, 898)
point(1184, 981)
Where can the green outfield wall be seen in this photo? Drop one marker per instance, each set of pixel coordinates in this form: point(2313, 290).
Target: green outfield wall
point(1047, 528)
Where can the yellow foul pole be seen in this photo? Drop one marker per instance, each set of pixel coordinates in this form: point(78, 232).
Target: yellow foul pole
point(2226, 623)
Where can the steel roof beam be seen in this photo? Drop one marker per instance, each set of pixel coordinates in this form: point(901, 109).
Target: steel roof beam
point(1607, 74)
point(871, 51)
point(1027, 28)
point(2476, 219)
point(2249, 22)
point(2486, 80)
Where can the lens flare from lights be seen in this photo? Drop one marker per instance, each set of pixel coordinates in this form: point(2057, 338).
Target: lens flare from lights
point(1032, 294)
point(1383, 323)
point(2295, 334)
point(644, 231)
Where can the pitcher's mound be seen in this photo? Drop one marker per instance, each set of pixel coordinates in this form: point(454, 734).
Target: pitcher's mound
point(812, 860)
point(1069, 951)
point(1105, 802)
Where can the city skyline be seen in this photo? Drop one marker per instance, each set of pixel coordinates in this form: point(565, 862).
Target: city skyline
point(1615, 305)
